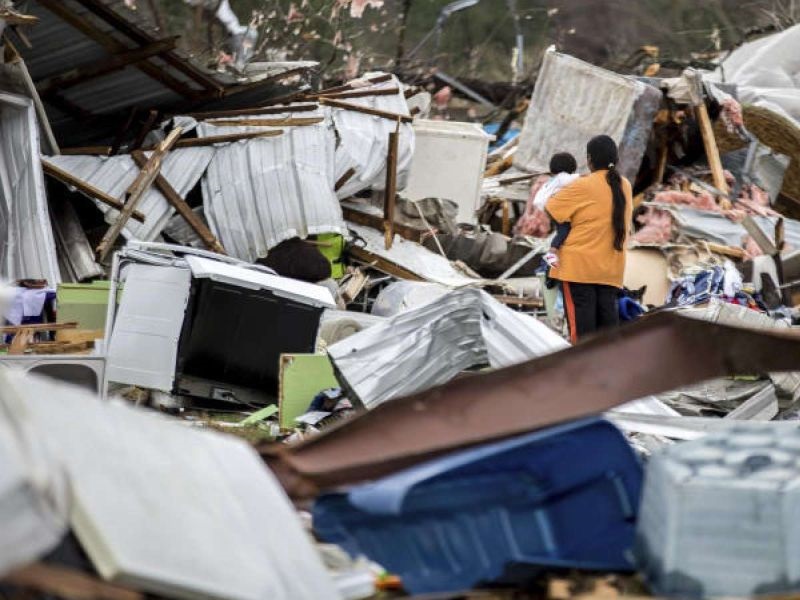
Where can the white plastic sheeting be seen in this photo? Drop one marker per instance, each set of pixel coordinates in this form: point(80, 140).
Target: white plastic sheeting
point(260, 192)
point(27, 246)
point(170, 510)
point(427, 346)
point(33, 492)
point(574, 101)
point(767, 72)
point(182, 168)
point(364, 140)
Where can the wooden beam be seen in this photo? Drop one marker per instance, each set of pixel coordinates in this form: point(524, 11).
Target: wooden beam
point(63, 582)
point(351, 86)
point(376, 222)
point(140, 37)
point(112, 45)
point(381, 264)
point(136, 191)
point(12, 17)
point(183, 209)
point(244, 112)
point(96, 69)
point(38, 327)
point(223, 139)
point(696, 94)
point(366, 110)
point(86, 188)
point(246, 87)
point(346, 176)
point(358, 94)
point(288, 122)
point(390, 189)
point(81, 150)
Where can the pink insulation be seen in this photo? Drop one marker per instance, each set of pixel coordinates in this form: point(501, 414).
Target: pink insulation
point(656, 226)
point(534, 222)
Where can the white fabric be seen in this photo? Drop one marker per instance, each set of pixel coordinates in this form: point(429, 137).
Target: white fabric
point(553, 185)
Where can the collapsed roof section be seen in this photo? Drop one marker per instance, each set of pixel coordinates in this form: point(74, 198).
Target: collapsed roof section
point(92, 64)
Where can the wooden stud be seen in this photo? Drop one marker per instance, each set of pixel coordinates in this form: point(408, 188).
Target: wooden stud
point(661, 167)
point(34, 327)
point(244, 112)
point(136, 191)
point(350, 86)
point(358, 94)
point(346, 176)
point(222, 139)
point(390, 189)
point(86, 188)
point(506, 227)
point(706, 129)
point(287, 122)
point(376, 222)
point(366, 110)
point(81, 150)
point(381, 264)
point(183, 209)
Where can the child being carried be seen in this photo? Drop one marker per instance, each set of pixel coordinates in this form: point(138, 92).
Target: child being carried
point(562, 168)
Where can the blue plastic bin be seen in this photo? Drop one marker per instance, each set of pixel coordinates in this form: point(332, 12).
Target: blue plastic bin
point(566, 496)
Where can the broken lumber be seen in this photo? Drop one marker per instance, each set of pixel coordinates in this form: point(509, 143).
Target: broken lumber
point(354, 85)
point(706, 129)
point(222, 139)
point(81, 150)
point(86, 188)
point(360, 93)
point(244, 112)
point(376, 222)
point(346, 176)
point(385, 114)
point(288, 122)
point(381, 264)
point(180, 206)
point(39, 327)
point(136, 191)
point(390, 189)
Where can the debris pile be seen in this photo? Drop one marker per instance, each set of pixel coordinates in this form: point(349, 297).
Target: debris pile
point(361, 295)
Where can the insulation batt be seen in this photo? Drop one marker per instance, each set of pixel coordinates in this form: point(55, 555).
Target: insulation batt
point(534, 222)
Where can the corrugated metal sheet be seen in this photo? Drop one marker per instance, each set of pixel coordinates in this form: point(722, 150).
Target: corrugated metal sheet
point(27, 247)
point(574, 101)
point(427, 346)
point(182, 168)
point(364, 140)
point(260, 192)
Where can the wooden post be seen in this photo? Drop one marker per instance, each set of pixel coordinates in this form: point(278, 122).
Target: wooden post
point(183, 209)
point(706, 130)
point(390, 190)
point(506, 227)
point(136, 191)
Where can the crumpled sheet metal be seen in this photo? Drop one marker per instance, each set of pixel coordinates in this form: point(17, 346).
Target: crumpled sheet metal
point(182, 168)
point(661, 352)
point(429, 345)
point(572, 102)
point(260, 192)
point(364, 140)
point(27, 245)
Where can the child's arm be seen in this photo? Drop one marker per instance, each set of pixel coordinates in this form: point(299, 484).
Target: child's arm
point(562, 231)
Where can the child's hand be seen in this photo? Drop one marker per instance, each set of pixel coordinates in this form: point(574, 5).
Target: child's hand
point(551, 258)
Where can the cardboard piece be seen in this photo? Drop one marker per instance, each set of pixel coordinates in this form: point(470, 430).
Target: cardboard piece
point(647, 266)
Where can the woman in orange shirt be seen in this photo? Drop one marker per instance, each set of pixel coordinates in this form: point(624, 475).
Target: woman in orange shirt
point(591, 264)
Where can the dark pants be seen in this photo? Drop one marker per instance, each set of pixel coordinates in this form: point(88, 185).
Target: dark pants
point(589, 308)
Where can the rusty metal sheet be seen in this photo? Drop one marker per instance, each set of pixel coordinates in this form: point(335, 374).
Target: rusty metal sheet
point(658, 353)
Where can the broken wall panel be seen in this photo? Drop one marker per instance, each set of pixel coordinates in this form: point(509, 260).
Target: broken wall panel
point(574, 101)
point(182, 168)
point(364, 140)
point(27, 245)
point(655, 354)
point(260, 192)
